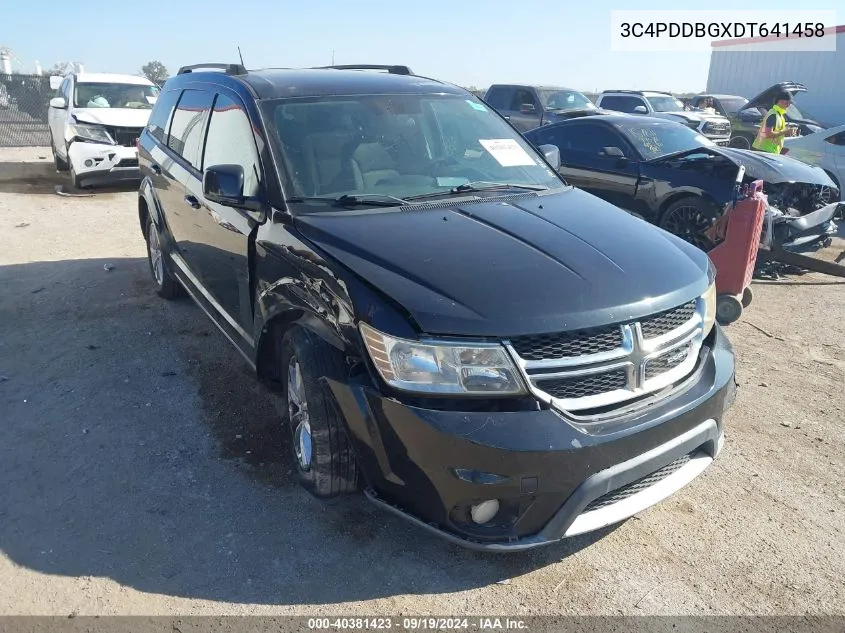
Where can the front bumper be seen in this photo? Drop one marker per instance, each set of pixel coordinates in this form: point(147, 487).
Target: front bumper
point(553, 477)
point(96, 163)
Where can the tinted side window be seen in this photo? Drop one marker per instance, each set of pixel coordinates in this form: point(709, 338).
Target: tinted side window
point(520, 97)
point(836, 139)
point(621, 104)
point(162, 113)
point(587, 138)
point(499, 98)
point(186, 129)
point(230, 141)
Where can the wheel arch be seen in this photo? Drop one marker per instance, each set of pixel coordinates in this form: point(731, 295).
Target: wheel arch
point(687, 193)
point(278, 319)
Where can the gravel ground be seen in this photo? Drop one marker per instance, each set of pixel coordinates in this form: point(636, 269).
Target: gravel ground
point(142, 470)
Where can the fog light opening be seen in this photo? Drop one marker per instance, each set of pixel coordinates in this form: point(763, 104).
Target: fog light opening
point(89, 162)
point(485, 511)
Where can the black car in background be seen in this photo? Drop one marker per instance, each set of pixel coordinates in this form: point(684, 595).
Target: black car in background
point(746, 115)
point(527, 106)
point(488, 352)
point(673, 177)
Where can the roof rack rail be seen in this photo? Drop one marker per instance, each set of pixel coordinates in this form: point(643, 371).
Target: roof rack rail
point(231, 69)
point(392, 69)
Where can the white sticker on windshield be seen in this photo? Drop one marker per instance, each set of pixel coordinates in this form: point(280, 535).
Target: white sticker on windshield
point(507, 152)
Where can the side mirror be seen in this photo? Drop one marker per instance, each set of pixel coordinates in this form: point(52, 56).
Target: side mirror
point(640, 110)
point(527, 108)
point(58, 103)
point(55, 82)
point(552, 154)
point(224, 184)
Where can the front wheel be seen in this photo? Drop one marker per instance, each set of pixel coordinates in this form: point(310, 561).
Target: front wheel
point(689, 218)
point(61, 163)
point(325, 462)
point(740, 142)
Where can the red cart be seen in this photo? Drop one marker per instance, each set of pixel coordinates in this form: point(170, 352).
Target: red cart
point(735, 257)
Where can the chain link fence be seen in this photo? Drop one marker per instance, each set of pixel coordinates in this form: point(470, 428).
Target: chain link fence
point(24, 100)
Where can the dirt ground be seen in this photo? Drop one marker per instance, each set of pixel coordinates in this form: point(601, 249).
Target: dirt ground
point(142, 470)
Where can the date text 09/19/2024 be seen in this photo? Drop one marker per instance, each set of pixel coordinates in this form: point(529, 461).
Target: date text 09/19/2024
point(418, 624)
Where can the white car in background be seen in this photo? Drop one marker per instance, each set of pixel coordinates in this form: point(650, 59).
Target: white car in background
point(94, 121)
point(825, 148)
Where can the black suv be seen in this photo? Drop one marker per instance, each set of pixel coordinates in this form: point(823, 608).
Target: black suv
point(485, 350)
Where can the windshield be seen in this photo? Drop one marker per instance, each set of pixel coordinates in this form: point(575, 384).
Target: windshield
point(564, 100)
point(665, 104)
point(397, 145)
point(732, 106)
point(657, 139)
point(114, 95)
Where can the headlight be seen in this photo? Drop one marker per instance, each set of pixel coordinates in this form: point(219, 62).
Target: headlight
point(89, 133)
point(442, 368)
point(709, 298)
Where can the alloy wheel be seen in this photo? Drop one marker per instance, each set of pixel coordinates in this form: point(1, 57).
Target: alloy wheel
point(687, 223)
point(156, 261)
point(298, 415)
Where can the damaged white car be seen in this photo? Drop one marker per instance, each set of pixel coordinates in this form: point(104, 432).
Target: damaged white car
point(95, 120)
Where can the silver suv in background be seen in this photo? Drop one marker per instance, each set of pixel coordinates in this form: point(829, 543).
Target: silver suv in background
point(665, 105)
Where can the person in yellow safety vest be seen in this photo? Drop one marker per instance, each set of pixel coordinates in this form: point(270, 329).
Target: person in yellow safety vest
point(773, 129)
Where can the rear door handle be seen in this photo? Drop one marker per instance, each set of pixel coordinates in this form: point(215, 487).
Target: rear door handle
point(507, 117)
point(156, 169)
point(191, 200)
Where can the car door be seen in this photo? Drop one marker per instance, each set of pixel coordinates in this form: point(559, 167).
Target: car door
point(57, 118)
point(220, 234)
point(588, 160)
point(183, 164)
point(524, 110)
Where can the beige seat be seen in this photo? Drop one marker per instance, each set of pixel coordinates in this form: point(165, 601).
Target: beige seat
point(324, 156)
point(372, 165)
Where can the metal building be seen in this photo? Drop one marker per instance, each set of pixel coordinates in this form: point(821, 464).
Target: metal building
point(744, 67)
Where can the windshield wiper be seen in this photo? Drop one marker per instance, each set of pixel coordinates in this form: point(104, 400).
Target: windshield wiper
point(346, 200)
point(477, 186)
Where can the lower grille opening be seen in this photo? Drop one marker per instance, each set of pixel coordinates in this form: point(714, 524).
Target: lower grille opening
point(583, 386)
point(629, 490)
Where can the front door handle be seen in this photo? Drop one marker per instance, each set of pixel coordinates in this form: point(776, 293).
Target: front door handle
point(191, 200)
point(507, 117)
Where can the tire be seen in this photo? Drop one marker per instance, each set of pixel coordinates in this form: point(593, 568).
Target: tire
point(166, 285)
point(728, 309)
point(77, 182)
point(61, 163)
point(688, 218)
point(324, 460)
point(740, 142)
point(747, 297)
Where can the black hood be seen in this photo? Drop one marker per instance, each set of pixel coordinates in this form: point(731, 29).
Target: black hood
point(503, 268)
point(766, 99)
point(776, 168)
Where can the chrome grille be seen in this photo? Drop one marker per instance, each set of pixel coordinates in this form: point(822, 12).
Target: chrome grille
point(620, 494)
point(716, 128)
point(585, 371)
point(665, 322)
point(582, 386)
point(665, 362)
point(568, 344)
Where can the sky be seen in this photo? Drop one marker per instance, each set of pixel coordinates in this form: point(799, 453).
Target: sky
point(467, 42)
